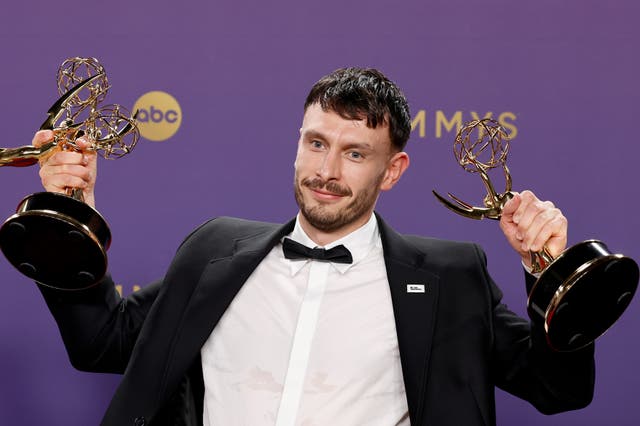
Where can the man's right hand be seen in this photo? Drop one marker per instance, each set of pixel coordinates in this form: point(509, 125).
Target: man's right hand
point(68, 169)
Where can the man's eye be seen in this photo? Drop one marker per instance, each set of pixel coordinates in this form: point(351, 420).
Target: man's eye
point(355, 155)
point(316, 144)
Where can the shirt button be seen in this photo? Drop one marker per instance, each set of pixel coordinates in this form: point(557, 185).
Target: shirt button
point(139, 421)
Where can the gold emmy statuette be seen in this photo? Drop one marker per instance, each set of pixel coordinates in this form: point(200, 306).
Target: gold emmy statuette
point(57, 239)
point(579, 294)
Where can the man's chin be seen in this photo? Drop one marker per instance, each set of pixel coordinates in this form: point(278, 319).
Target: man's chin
point(324, 225)
point(323, 220)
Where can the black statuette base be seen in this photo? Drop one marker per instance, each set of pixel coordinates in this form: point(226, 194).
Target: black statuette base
point(581, 294)
point(57, 240)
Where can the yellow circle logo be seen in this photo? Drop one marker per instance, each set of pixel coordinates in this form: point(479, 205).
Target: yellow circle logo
point(159, 115)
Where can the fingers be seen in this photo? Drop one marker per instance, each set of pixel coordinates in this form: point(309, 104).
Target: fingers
point(65, 169)
point(530, 224)
point(60, 176)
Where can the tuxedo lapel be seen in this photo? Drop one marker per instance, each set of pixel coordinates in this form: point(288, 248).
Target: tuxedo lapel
point(414, 294)
point(220, 282)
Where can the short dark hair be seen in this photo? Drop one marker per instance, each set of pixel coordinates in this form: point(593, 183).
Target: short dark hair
point(356, 93)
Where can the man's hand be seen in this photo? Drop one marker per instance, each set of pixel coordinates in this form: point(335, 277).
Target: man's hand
point(530, 224)
point(68, 169)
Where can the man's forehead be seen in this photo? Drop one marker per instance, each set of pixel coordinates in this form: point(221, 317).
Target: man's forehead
point(328, 124)
point(316, 113)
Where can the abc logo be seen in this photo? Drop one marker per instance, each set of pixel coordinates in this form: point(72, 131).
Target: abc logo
point(159, 115)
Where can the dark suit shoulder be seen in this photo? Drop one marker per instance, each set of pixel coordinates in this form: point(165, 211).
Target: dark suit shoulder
point(431, 243)
point(435, 254)
point(216, 237)
point(231, 228)
point(447, 252)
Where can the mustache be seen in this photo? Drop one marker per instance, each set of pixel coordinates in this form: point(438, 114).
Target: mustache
point(332, 187)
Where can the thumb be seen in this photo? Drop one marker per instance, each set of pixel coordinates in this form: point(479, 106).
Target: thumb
point(511, 205)
point(41, 137)
point(83, 144)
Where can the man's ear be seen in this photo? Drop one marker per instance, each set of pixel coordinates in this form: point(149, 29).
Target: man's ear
point(398, 163)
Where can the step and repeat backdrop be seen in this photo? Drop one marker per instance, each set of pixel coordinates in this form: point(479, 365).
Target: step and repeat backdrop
point(220, 87)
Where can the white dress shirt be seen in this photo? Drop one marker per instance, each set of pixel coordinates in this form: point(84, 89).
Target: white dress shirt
point(308, 343)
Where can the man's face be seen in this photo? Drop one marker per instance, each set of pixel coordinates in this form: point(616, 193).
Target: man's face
point(341, 167)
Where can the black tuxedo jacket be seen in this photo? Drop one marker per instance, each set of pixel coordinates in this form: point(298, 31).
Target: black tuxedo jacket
point(456, 340)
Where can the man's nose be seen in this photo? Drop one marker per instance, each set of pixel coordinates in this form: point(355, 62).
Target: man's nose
point(330, 167)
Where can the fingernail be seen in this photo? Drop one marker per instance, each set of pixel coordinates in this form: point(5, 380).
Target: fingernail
point(524, 247)
point(518, 236)
point(85, 160)
point(516, 219)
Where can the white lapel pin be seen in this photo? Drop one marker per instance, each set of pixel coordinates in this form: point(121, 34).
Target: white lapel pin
point(415, 288)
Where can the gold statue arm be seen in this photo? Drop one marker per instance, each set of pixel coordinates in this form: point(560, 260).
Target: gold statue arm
point(28, 155)
point(493, 201)
point(25, 155)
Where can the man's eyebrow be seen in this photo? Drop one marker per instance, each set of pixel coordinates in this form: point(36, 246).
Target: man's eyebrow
point(359, 145)
point(315, 134)
point(312, 134)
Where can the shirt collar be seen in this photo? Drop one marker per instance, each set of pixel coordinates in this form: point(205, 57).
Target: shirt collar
point(359, 242)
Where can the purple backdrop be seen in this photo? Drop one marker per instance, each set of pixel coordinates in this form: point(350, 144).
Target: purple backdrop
point(565, 71)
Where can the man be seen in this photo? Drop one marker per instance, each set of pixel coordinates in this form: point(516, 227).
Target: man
point(378, 329)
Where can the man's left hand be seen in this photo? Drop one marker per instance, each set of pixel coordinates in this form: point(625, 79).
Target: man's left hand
point(531, 224)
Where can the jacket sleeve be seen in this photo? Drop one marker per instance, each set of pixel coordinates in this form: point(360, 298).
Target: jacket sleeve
point(524, 365)
point(98, 327)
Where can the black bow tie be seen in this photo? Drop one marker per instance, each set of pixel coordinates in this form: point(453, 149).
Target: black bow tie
point(337, 254)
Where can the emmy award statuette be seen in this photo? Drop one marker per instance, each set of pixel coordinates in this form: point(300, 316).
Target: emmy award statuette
point(579, 294)
point(57, 239)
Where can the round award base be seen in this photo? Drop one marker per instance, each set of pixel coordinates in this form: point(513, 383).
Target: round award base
point(57, 240)
point(581, 294)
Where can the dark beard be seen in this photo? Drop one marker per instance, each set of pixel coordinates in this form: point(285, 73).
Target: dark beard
point(325, 221)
